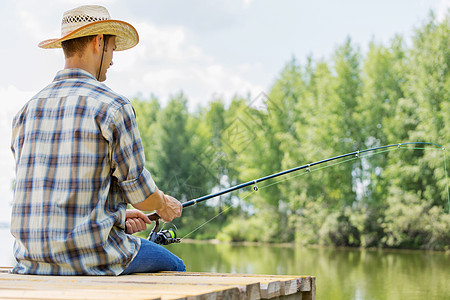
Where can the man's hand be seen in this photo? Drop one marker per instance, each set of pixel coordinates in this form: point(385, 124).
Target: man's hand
point(135, 221)
point(167, 207)
point(171, 210)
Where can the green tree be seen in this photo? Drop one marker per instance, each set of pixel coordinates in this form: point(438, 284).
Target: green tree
point(383, 77)
point(417, 195)
point(147, 120)
point(316, 110)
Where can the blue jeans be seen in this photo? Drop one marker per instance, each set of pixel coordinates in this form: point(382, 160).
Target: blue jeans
point(154, 258)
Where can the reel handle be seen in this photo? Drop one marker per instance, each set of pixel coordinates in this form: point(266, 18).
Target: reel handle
point(153, 216)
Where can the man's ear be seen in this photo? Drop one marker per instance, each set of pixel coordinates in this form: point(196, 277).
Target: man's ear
point(98, 43)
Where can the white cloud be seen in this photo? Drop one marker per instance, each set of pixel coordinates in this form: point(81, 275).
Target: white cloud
point(167, 60)
point(247, 3)
point(168, 43)
point(12, 100)
point(442, 9)
point(31, 25)
point(159, 44)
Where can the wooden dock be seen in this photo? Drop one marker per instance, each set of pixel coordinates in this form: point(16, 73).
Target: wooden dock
point(164, 285)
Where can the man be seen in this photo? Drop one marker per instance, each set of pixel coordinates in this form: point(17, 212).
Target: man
point(80, 161)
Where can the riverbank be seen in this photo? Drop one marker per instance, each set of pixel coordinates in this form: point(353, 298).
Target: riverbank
point(293, 245)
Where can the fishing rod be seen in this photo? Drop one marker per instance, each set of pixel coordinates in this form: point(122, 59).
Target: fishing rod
point(169, 236)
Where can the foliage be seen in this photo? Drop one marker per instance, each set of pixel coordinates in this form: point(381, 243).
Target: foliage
point(391, 94)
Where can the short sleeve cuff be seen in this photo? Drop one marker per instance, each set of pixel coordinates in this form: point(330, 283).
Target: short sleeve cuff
point(137, 190)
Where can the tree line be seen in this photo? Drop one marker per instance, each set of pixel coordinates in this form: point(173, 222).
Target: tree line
point(316, 109)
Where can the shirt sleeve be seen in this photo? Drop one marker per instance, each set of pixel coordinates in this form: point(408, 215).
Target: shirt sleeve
point(128, 158)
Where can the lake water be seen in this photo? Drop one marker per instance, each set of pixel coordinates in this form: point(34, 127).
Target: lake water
point(341, 273)
point(348, 274)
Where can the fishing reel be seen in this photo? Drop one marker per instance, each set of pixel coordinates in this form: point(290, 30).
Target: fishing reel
point(163, 237)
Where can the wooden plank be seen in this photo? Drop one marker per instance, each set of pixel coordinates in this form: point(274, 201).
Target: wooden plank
point(165, 290)
point(298, 278)
point(270, 290)
point(70, 294)
point(311, 294)
point(155, 291)
point(288, 284)
point(298, 296)
point(166, 285)
point(88, 292)
point(269, 287)
point(305, 284)
point(249, 288)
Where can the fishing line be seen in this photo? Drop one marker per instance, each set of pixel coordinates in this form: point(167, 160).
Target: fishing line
point(326, 166)
point(356, 157)
point(446, 177)
point(223, 211)
point(284, 172)
point(264, 187)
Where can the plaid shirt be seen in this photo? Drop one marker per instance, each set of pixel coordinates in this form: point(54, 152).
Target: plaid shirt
point(79, 161)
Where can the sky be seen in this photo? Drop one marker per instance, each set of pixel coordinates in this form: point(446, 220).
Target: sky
point(206, 49)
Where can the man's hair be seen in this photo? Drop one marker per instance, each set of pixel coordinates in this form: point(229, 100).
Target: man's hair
point(74, 46)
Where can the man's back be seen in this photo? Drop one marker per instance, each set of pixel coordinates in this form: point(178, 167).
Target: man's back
point(76, 147)
point(80, 161)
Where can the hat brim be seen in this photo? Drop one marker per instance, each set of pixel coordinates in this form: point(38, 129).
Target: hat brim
point(126, 35)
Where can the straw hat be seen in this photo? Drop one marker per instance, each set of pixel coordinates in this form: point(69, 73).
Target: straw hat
point(92, 20)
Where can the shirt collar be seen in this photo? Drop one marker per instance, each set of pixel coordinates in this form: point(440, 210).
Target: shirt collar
point(73, 73)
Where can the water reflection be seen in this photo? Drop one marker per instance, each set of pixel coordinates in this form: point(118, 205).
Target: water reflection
point(341, 273)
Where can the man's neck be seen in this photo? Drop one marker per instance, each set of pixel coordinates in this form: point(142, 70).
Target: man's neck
point(84, 62)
